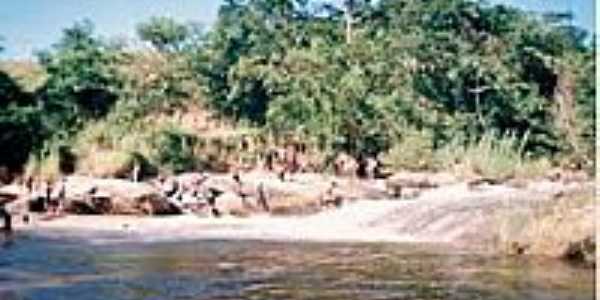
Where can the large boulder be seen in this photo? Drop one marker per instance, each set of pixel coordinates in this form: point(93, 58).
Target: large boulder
point(191, 180)
point(298, 196)
point(232, 204)
point(114, 196)
point(13, 198)
point(221, 183)
point(10, 193)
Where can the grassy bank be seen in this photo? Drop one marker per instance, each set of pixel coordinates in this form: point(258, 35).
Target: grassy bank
point(563, 228)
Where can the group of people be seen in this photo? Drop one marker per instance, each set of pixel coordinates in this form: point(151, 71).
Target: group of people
point(287, 161)
point(294, 158)
point(189, 194)
point(46, 197)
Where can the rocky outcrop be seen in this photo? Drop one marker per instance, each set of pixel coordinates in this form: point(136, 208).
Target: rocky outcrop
point(114, 196)
point(264, 193)
point(582, 252)
point(10, 193)
point(404, 184)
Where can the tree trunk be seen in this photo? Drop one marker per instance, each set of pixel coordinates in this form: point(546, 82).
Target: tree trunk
point(348, 10)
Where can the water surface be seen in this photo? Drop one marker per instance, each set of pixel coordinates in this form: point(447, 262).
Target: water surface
point(36, 268)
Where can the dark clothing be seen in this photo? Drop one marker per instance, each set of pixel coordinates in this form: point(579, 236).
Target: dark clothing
point(7, 219)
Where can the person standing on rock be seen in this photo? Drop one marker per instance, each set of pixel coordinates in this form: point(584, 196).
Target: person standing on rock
point(239, 188)
point(7, 218)
point(302, 159)
point(367, 167)
point(29, 184)
point(290, 161)
point(262, 197)
point(48, 203)
point(136, 171)
point(169, 187)
point(61, 196)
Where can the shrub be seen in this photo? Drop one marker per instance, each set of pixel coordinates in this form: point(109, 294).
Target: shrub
point(413, 152)
point(44, 167)
point(114, 163)
point(174, 150)
point(492, 155)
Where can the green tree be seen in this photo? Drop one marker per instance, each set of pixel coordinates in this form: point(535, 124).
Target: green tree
point(164, 33)
point(82, 81)
point(20, 124)
point(447, 67)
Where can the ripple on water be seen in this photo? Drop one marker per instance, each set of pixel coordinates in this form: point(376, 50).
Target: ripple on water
point(46, 269)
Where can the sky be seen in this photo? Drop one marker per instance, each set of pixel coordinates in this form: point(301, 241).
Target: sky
point(30, 25)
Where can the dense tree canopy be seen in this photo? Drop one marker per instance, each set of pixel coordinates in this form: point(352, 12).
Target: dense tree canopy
point(450, 67)
point(81, 82)
point(364, 77)
point(165, 34)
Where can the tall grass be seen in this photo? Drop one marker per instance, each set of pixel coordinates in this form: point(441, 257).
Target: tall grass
point(490, 155)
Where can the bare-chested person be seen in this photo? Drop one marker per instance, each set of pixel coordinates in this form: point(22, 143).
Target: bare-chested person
point(290, 161)
point(367, 167)
point(331, 196)
point(345, 164)
point(302, 159)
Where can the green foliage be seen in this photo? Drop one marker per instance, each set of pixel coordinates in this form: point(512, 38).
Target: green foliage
point(444, 67)
point(422, 83)
point(414, 152)
point(20, 124)
point(165, 34)
point(174, 150)
point(490, 155)
point(81, 82)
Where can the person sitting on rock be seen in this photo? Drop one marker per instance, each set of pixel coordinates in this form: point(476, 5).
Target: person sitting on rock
point(211, 195)
point(169, 187)
point(331, 196)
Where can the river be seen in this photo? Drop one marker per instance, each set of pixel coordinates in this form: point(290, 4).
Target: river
point(34, 267)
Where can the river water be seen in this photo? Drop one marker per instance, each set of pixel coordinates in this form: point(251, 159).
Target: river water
point(40, 268)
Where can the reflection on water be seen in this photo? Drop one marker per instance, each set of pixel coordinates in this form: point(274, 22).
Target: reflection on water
point(36, 268)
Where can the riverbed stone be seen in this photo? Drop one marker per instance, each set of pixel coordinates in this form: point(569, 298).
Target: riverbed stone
point(114, 196)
